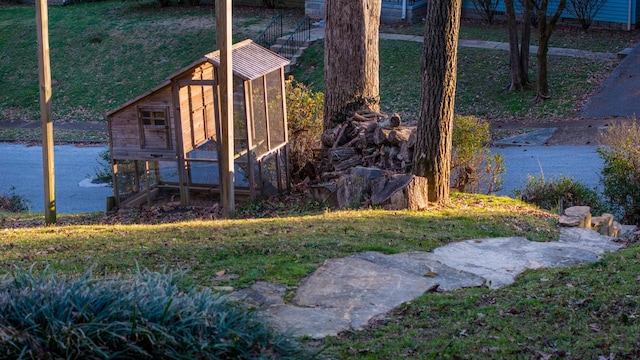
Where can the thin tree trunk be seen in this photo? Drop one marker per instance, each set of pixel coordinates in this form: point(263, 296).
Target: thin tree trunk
point(351, 58)
point(543, 84)
point(526, 40)
point(545, 30)
point(514, 48)
point(432, 155)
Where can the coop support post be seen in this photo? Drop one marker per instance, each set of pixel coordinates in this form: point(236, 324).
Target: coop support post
point(44, 75)
point(223, 30)
point(147, 186)
point(114, 179)
point(285, 126)
point(182, 176)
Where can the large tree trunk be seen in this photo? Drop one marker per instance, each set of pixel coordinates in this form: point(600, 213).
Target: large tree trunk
point(545, 29)
point(351, 59)
point(432, 154)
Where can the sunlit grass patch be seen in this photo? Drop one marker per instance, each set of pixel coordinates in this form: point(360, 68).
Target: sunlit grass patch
point(279, 249)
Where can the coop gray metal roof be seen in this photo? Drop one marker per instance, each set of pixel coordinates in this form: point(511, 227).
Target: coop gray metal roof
point(250, 60)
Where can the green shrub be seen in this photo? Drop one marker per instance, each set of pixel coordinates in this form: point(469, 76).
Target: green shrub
point(473, 167)
point(305, 110)
point(620, 150)
point(559, 193)
point(13, 202)
point(148, 317)
point(104, 172)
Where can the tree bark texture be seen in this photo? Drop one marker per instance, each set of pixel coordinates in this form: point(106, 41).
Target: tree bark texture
point(514, 47)
point(519, 55)
point(526, 39)
point(351, 60)
point(432, 154)
point(545, 29)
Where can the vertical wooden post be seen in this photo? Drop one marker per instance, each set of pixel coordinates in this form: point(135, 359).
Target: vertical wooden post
point(183, 177)
point(223, 29)
point(44, 75)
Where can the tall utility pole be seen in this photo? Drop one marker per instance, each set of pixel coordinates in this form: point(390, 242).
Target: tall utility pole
point(225, 80)
point(44, 75)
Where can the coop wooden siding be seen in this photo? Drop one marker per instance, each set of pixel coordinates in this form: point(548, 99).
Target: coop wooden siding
point(185, 120)
point(124, 123)
point(614, 11)
point(250, 60)
point(125, 129)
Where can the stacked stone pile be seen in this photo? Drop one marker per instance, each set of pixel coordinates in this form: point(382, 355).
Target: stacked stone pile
point(580, 216)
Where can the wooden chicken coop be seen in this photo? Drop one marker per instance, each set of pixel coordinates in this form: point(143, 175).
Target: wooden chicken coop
point(169, 136)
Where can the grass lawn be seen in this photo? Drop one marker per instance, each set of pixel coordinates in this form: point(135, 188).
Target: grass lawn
point(564, 36)
point(482, 77)
point(281, 249)
point(577, 312)
point(106, 53)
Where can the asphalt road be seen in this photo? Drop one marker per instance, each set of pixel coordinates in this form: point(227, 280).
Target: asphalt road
point(618, 95)
point(580, 162)
point(21, 169)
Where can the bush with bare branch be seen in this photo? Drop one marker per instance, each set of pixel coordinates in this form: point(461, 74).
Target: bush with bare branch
point(486, 9)
point(585, 11)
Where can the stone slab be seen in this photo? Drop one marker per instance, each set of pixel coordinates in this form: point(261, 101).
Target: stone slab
point(353, 283)
point(261, 294)
point(347, 293)
point(423, 264)
point(500, 260)
point(588, 239)
point(305, 321)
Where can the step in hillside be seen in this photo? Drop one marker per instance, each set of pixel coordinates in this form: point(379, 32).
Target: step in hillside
point(291, 51)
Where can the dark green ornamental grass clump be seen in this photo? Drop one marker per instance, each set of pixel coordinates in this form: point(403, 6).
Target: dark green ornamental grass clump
point(150, 316)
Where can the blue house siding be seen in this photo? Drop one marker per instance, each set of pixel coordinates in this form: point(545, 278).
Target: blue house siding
point(615, 13)
point(390, 13)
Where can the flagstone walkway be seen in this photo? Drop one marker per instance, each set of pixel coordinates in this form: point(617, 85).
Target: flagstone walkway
point(347, 293)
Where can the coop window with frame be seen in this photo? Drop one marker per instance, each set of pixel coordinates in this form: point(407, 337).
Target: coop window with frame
point(155, 131)
point(153, 117)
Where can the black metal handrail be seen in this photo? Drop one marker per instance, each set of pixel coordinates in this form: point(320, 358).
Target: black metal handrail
point(296, 40)
point(272, 32)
